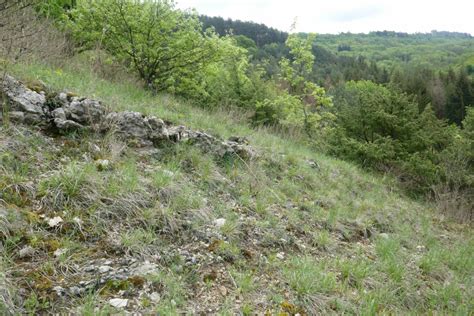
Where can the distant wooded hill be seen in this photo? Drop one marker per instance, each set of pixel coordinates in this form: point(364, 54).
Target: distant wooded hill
point(440, 49)
point(436, 68)
point(259, 33)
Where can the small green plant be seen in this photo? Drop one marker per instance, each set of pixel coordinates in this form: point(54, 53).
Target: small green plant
point(162, 178)
point(322, 239)
point(69, 181)
point(230, 228)
point(229, 251)
point(129, 175)
point(245, 281)
point(247, 309)
point(174, 294)
point(34, 304)
point(388, 249)
point(354, 271)
point(430, 262)
point(91, 306)
point(138, 239)
point(308, 277)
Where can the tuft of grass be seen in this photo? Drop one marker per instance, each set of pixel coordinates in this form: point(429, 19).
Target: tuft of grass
point(173, 294)
point(354, 271)
point(389, 251)
point(245, 281)
point(91, 306)
point(308, 277)
point(66, 185)
point(138, 240)
point(322, 239)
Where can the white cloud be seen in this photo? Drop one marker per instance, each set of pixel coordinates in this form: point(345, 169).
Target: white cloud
point(333, 16)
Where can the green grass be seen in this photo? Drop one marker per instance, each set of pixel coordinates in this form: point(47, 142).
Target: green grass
point(347, 241)
point(307, 277)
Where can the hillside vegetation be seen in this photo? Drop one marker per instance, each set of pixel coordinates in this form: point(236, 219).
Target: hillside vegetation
point(94, 223)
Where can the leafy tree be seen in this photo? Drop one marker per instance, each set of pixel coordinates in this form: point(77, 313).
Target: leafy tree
point(247, 43)
point(373, 118)
point(165, 46)
point(55, 9)
point(226, 80)
point(382, 129)
point(303, 103)
point(343, 47)
point(455, 190)
point(462, 96)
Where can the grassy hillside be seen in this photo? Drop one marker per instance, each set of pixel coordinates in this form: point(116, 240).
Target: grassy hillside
point(178, 231)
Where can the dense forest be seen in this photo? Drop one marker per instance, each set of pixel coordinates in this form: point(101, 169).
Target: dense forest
point(436, 49)
point(157, 160)
point(436, 68)
point(259, 33)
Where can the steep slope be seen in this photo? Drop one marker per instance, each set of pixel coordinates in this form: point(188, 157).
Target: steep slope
point(91, 224)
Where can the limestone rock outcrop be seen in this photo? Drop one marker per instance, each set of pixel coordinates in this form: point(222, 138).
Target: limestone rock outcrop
point(64, 113)
point(25, 105)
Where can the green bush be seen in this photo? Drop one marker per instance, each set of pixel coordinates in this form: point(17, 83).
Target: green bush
point(226, 80)
point(381, 128)
point(55, 9)
point(300, 103)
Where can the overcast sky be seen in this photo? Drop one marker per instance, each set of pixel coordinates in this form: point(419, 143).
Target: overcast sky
point(334, 16)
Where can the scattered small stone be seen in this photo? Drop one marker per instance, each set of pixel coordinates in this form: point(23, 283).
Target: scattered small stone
point(219, 222)
point(104, 269)
point(313, 164)
point(191, 260)
point(281, 255)
point(78, 221)
point(75, 290)
point(25, 252)
point(59, 290)
point(60, 252)
point(89, 269)
point(155, 297)
point(384, 235)
point(168, 173)
point(103, 164)
point(223, 290)
point(94, 148)
point(118, 302)
point(145, 268)
point(53, 222)
point(420, 248)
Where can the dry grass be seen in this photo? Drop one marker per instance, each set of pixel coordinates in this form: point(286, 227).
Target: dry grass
point(455, 203)
point(24, 36)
